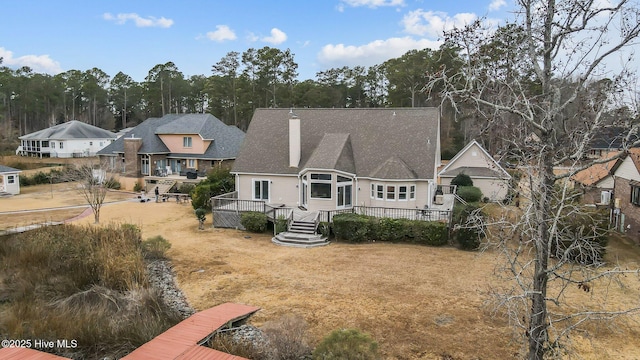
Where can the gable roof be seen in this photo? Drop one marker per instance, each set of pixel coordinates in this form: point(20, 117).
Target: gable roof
point(613, 138)
point(490, 169)
point(225, 144)
point(597, 172)
point(70, 130)
point(8, 169)
point(357, 140)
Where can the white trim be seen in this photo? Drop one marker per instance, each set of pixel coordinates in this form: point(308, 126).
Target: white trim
point(264, 174)
point(464, 150)
point(253, 189)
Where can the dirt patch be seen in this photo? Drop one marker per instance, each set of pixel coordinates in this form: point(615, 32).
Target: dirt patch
point(418, 302)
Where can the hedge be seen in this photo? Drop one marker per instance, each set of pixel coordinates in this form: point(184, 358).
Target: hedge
point(254, 221)
point(357, 228)
point(469, 193)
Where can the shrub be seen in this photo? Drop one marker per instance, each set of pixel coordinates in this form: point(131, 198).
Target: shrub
point(346, 344)
point(351, 227)
point(359, 228)
point(461, 180)
point(428, 232)
point(156, 247)
point(468, 233)
point(112, 183)
point(287, 337)
point(219, 181)
point(186, 188)
point(254, 221)
point(281, 224)
point(467, 238)
point(469, 193)
point(137, 187)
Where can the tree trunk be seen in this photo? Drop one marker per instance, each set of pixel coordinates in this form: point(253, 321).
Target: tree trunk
point(538, 325)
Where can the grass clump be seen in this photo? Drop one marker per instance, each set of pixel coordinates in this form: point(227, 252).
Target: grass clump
point(347, 344)
point(88, 284)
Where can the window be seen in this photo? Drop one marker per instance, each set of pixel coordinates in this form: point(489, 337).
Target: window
point(412, 192)
point(187, 142)
point(11, 179)
point(344, 190)
point(635, 195)
point(45, 143)
point(261, 190)
point(90, 143)
point(373, 191)
point(402, 192)
point(191, 163)
point(320, 186)
point(391, 192)
point(380, 192)
point(61, 145)
point(53, 145)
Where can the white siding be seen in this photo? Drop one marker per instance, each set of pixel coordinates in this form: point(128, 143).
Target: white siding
point(282, 189)
point(627, 170)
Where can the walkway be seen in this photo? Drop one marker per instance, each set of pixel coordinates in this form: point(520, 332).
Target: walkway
point(179, 342)
point(183, 340)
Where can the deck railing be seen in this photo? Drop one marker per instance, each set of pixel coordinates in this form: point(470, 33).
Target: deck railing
point(395, 213)
point(229, 203)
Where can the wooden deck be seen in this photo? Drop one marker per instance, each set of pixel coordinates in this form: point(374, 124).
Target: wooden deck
point(183, 340)
point(27, 354)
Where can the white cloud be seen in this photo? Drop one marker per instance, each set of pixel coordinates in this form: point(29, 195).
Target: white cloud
point(222, 33)
point(373, 53)
point(434, 23)
point(369, 3)
point(277, 37)
point(139, 20)
point(497, 5)
point(38, 63)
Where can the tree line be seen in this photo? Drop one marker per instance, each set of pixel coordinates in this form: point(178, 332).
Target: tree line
point(241, 82)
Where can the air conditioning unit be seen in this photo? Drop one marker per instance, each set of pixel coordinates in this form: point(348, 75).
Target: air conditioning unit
point(439, 200)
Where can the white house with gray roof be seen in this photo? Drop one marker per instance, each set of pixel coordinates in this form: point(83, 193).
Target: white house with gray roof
point(70, 139)
point(173, 144)
point(485, 172)
point(331, 159)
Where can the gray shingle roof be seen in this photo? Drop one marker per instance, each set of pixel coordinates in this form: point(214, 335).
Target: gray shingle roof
point(375, 135)
point(475, 171)
point(225, 145)
point(70, 130)
point(8, 169)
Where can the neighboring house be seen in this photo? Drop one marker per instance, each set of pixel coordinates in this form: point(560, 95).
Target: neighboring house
point(474, 161)
point(610, 139)
point(626, 192)
point(70, 139)
point(596, 182)
point(9, 180)
point(176, 144)
point(331, 159)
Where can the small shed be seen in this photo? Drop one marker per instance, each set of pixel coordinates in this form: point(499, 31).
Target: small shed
point(9, 180)
point(482, 168)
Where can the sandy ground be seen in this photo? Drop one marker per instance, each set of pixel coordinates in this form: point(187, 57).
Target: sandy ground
point(417, 302)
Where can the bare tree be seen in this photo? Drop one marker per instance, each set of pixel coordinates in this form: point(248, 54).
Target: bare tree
point(559, 49)
point(93, 183)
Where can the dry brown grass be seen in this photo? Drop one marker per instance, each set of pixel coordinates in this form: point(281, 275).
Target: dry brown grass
point(417, 302)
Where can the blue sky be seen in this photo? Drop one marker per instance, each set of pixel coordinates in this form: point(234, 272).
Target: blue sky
point(135, 35)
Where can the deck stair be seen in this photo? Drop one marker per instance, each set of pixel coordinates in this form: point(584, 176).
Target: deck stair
point(163, 185)
point(301, 231)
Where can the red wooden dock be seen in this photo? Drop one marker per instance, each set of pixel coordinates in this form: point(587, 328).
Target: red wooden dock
point(183, 340)
point(179, 342)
